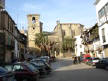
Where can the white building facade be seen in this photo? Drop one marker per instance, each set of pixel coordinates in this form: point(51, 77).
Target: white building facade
point(102, 18)
point(79, 47)
point(96, 47)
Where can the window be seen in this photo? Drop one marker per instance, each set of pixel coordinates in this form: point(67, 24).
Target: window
point(101, 13)
point(33, 28)
point(17, 68)
point(9, 67)
point(106, 9)
point(103, 35)
point(33, 20)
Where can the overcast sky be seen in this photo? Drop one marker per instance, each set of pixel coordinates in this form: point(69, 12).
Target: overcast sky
point(72, 11)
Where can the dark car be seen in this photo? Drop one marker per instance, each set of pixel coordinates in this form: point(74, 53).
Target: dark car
point(94, 61)
point(5, 75)
point(24, 71)
point(103, 63)
point(45, 58)
point(47, 66)
point(40, 67)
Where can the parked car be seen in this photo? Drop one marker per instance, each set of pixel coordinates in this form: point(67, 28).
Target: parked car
point(47, 66)
point(103, 63)
point(24, 71)
point(45, 58)
point(94, 61)
point(87, 58)
point(40, 67)
point(5, 75)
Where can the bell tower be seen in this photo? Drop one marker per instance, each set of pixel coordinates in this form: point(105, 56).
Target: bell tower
point(34, 27)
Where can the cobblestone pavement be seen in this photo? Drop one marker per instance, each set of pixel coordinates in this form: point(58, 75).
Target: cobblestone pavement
point(64, 70)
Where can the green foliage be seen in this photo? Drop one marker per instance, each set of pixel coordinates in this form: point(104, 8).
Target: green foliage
point(91, 35)
point(41, 39)
point(94, 33)
point(68, 44)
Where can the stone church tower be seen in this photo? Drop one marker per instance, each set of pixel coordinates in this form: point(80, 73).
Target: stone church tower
point(34, 27)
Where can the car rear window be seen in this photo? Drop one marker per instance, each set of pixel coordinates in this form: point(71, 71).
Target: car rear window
point(39, 64)
point(31, 67)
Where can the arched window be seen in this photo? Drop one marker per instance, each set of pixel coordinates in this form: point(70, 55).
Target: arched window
point(33, 20)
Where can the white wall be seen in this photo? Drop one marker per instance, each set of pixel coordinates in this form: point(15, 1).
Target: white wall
point(99, 6)
point(105, 26)
point(78, 49)
point(96, 45)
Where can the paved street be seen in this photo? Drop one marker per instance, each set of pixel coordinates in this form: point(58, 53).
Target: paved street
point(64, 70)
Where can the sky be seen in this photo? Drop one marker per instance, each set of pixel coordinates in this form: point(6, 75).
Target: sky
point(67, 11)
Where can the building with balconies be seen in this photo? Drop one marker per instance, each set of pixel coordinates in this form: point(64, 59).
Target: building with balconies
point(7, 26)
point(91, 42)
point(102, 19)
point(12, 42)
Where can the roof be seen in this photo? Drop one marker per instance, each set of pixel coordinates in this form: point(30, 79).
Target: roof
point(33, 15)
point(96, 2)
point(68, 24)
point(5, 12)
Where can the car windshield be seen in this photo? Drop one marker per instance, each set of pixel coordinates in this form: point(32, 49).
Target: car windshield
point(8, 67)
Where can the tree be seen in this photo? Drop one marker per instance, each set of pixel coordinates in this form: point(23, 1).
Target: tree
point(41, 39)
point(68, 44)
point(94, 33)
